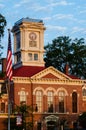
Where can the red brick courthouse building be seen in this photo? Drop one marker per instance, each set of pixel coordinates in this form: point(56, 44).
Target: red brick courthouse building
point(57, 96)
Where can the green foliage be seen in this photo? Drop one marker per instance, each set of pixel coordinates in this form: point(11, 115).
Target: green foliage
point(26, 112)
point(82, 120)
point(2, 25)
point(2, 74)
point(63, 50)
point(23, 108)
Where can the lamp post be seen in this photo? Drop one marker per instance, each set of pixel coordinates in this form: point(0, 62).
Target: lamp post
point(9, 103)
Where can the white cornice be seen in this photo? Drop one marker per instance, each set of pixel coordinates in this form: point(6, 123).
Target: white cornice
point(32, 25)
point(58, 81)
point(48, 81)
point(21, 80)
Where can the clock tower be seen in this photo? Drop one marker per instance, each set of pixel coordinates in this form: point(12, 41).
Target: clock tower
point(28, 42)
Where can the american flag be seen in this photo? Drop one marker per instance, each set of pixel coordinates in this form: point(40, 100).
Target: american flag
point(9, 58)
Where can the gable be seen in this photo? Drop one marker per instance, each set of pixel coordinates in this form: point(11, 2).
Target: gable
point(51, 73)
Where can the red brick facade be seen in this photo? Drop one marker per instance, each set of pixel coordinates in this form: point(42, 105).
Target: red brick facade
point(50, 82)
point(56, 97)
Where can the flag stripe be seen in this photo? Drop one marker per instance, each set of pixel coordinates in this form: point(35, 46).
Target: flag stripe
point(9, 58)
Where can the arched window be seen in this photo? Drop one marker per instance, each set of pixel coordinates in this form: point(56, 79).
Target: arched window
point(74, 102)
point(39, 100)
point(50, 96)
point(61, 94)
point(84, 91)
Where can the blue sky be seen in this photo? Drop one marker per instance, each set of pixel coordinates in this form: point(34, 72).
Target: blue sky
point(61, 17)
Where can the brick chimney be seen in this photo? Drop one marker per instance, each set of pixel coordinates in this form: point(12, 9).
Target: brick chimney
point(67, 69)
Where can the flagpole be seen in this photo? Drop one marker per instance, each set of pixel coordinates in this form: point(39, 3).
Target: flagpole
point(9, 74)
point(8, 85)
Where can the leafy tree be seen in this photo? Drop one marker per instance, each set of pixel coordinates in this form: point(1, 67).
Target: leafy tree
point(63, 50)
point(82, 120)
point(2, 25)
point(26, 112)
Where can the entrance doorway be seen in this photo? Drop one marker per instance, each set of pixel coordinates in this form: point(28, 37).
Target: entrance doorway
point(51, 122)
point(51, 125)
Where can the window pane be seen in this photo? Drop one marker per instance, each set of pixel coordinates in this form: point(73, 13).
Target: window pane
point(61, 101)
point(2, 107)
point(39, 100)
point(22, 96)
point(30, 56)
point(18, 56)
point(84, 92)
point(74, 102)
point(50, 101)
point(18, 41)
point(35, 56)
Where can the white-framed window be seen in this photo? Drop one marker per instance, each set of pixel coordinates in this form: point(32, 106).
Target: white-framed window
point(18, 57)
point(18, 41)
point(30, 56)
point(35, 56)
point(39, 100)
point(61, 96)
point(50, 97)
point(84, 92)
point(22, 96)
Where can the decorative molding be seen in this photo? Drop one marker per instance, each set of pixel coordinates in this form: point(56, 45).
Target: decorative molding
point(84, 98)
point(21, 80)
point(37, 89)
point(22, 89)
point(74, 90)
point(48, 81)
point(49, 89)
point(62, 89)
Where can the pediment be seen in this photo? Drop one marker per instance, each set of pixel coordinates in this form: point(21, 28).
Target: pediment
point(51, 118)
point(51, 73)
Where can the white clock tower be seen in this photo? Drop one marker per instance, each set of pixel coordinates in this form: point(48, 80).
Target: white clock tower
point(28, 42)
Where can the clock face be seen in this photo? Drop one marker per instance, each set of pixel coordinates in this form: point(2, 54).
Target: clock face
point(32, 36)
